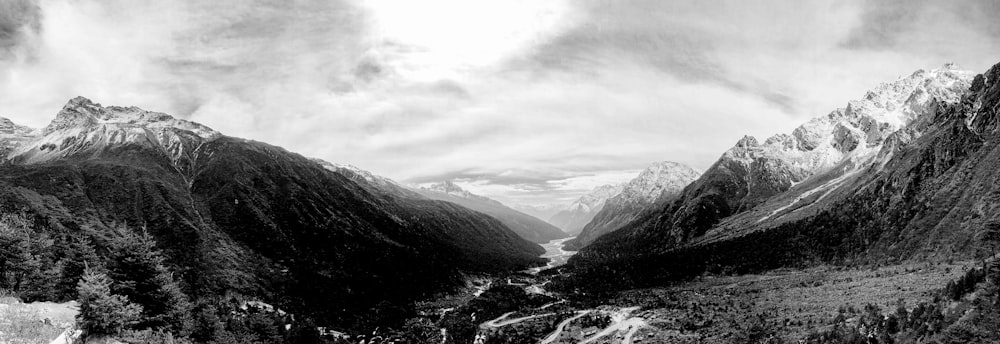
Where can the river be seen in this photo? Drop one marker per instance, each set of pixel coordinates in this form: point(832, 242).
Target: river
point(555, 254)
point(623, 323)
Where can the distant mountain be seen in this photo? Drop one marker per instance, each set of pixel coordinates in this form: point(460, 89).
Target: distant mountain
point(656, 184)
point(243, 217)
point(903, 172)
point(543, 212)
point(526, 226)
point(580, 212)
point(12, 135)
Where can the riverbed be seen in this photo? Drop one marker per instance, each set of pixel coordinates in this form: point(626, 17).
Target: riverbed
point(555, 254)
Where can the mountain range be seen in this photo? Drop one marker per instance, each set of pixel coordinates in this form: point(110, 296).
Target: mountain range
point(578, 214)
point(904, 172)
point(526, 226)
point(658, 183)
point(541, 211)
point(235, 216)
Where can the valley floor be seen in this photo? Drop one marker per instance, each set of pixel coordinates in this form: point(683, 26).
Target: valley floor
point(789, 304)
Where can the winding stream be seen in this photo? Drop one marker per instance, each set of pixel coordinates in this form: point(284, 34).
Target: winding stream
point(622, 320)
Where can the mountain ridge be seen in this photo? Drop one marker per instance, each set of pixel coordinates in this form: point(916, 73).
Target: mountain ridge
point(582, 210)
point(526, 226)
point(656, 184)
point(922, 190)
point(239, 216)
point(752, 172)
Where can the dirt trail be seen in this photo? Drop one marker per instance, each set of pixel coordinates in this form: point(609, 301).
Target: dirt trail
point(559, 329)
point(500, 322)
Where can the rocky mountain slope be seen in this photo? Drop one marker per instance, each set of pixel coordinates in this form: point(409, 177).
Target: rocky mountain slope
point(656, 184)
point(244, 217)
point(582, 211)
point(904, 172)
point(526, 226)
point(12, 135)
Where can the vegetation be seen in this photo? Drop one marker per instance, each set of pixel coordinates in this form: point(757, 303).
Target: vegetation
point(125, 288)
point(101, 312)
point(253, 223)
point(949, 319)
point(19, 324)
point(142, 275)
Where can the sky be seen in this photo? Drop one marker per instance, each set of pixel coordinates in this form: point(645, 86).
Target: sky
point(526, 101)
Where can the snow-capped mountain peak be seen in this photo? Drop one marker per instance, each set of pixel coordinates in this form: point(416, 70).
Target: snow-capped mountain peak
point(8, 127)
point(81, 112)
point(12, 135)
point(856, 131)
point(657, 178)
point(658, 181)
point(84, 127)
point(594, 201)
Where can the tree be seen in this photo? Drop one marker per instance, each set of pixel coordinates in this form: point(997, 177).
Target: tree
point(143, 276)
point(26, 259)
point(991, 237)
point(16, 260)
point(101, 312)
point(80, 254)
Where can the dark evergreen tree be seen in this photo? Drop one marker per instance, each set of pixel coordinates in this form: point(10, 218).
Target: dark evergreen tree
point(101, 311)
point(143, 276)
point(80, 254)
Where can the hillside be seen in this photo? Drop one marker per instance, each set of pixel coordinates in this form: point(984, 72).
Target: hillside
point(238, 217)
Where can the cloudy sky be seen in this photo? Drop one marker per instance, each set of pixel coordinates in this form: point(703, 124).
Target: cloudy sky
point(527, 101)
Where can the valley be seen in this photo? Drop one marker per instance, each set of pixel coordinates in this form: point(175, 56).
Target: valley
point(874, 223)
point(785, 304)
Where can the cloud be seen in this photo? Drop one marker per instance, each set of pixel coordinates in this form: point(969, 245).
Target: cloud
point(18, 19)
point(526, 101)
point(923, 24)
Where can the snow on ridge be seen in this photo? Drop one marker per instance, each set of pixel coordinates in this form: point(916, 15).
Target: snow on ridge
point(855, 135)
point(822, 142)
point(655, 180)
point(82, 112)
point(85, 126)
point(595, 199)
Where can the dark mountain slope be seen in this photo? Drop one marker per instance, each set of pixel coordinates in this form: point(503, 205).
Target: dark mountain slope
point(928, 193)
point(526, 226)
point(245, 217)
